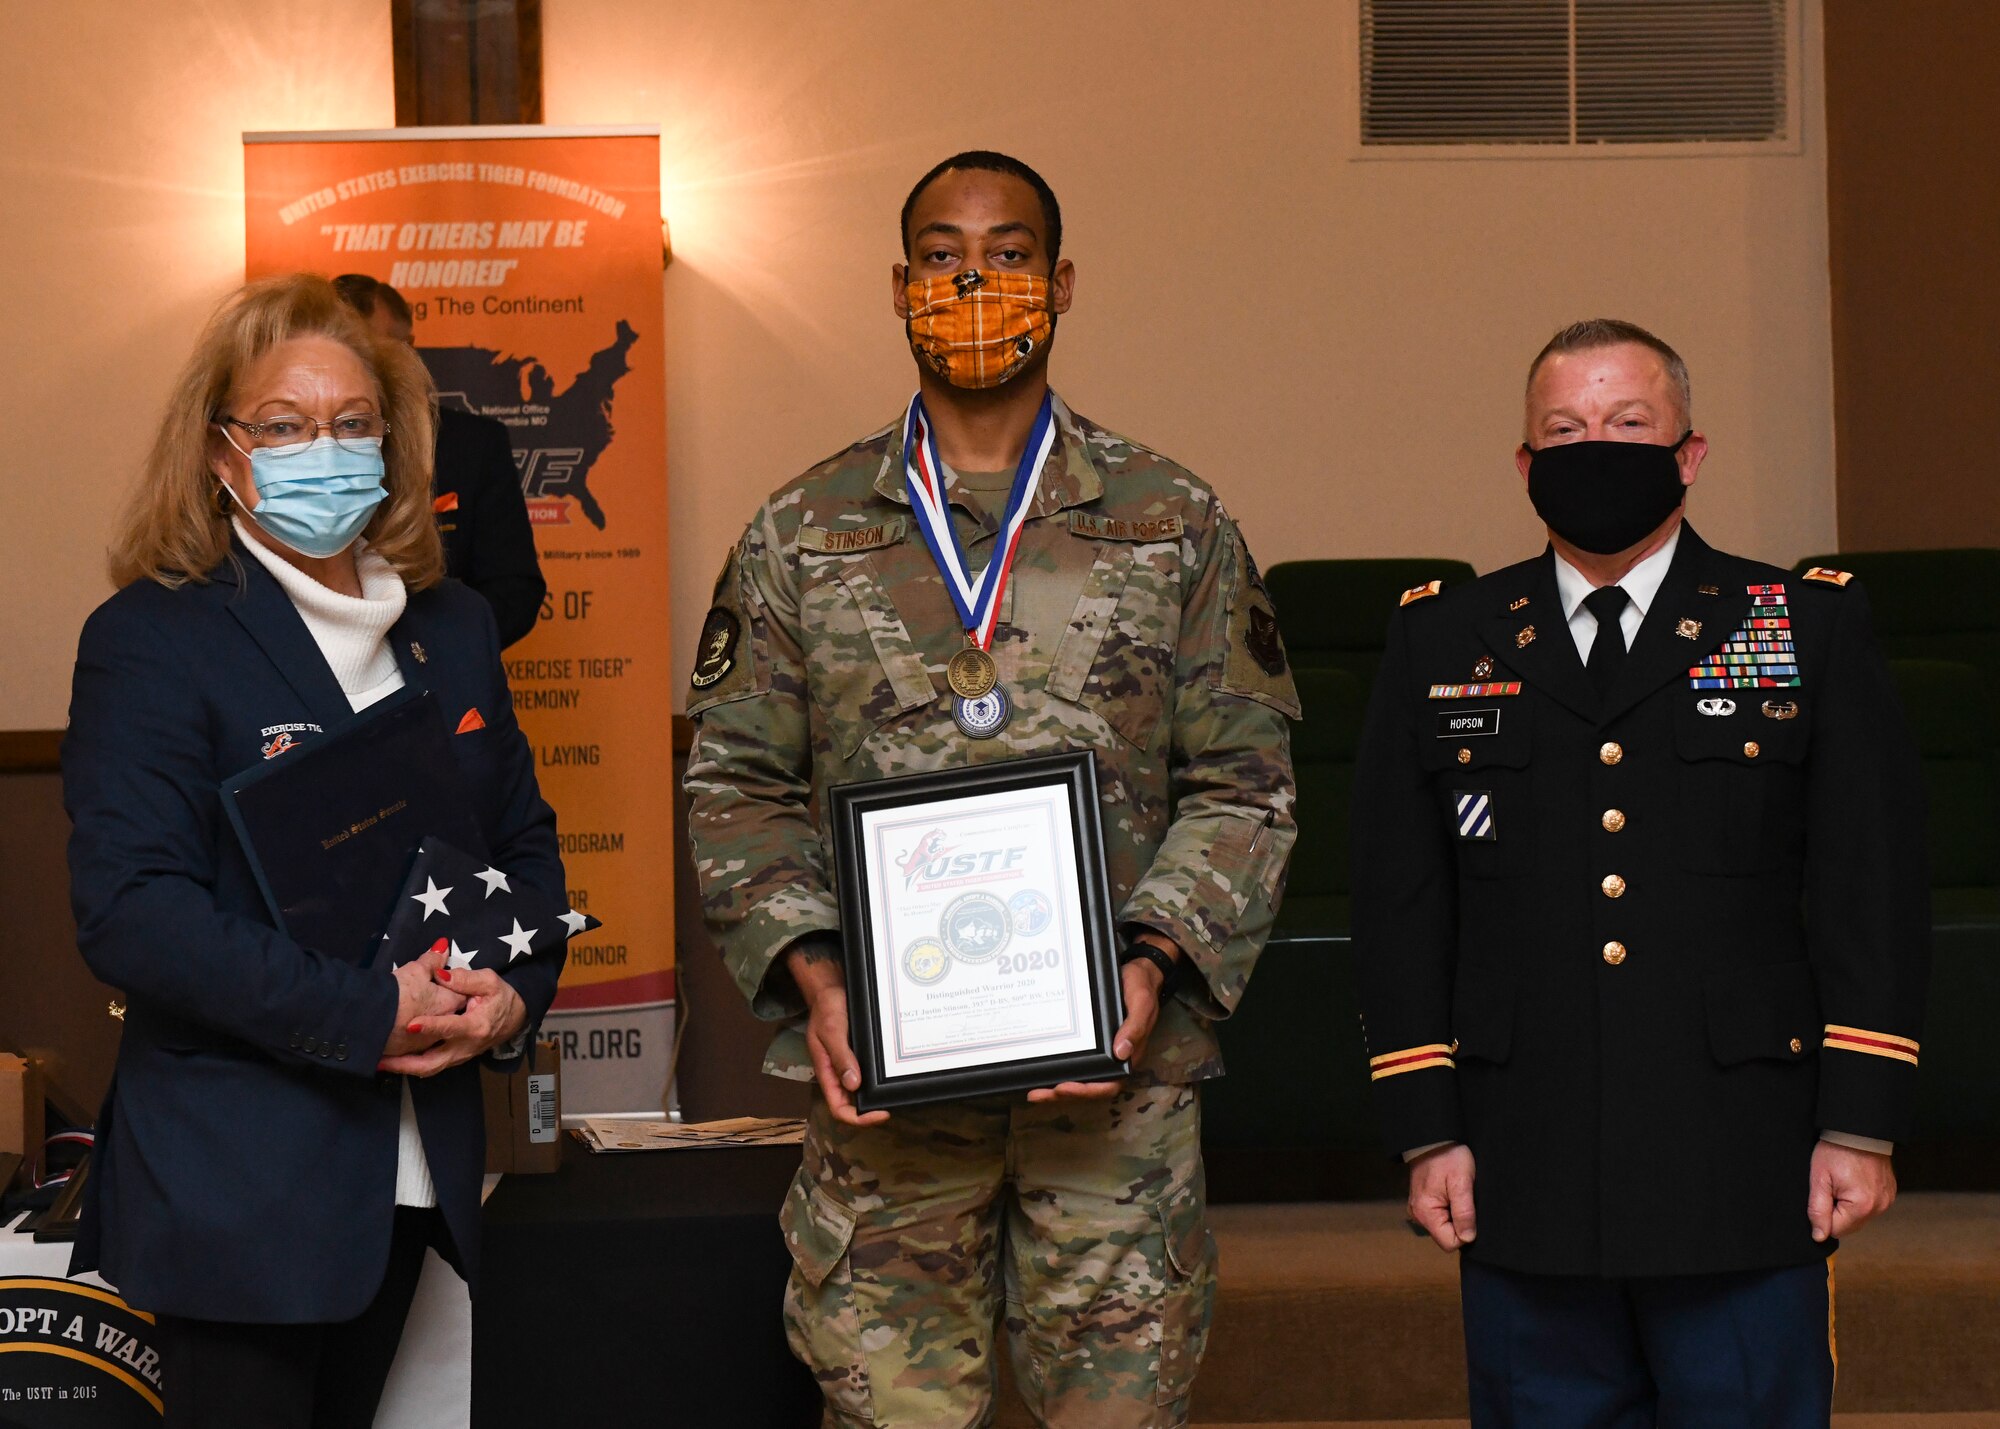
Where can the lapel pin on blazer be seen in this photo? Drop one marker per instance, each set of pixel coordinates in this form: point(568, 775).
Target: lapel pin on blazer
point(1526, 638)
point(1688, 629)
point(417, 649)
point(1523, 600)
point(1711, 590)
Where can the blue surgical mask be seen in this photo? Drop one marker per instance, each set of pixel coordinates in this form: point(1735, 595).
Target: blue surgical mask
point(318, 500)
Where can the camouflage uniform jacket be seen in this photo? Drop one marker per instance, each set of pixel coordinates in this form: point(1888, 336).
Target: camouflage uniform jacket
point(1134, 624)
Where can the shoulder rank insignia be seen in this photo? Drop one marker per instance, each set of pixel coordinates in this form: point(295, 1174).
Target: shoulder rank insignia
point(1421, 592)
point(1826, 575)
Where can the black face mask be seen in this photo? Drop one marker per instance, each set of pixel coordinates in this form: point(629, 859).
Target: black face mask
point(1606, 497)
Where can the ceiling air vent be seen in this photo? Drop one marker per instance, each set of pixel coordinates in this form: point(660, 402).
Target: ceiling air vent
point(1581, 74)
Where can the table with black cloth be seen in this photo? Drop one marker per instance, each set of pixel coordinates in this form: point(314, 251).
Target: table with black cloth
point(639, 1289)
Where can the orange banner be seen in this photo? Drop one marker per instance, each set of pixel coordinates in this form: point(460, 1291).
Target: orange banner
point(531, 260)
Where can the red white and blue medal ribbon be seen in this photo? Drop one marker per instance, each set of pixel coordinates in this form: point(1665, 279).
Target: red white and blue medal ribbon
point(977, 602)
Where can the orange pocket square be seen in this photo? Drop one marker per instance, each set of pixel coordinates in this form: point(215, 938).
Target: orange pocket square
point(446, 502)
point(470, 722)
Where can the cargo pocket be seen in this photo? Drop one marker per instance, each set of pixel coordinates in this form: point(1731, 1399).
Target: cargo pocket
point(1187, 1295)
point(1483, 782)
point(862, 667)
point(1116, 657)
point(821, 1322)
point(1740, 790)
point(1768, 1013)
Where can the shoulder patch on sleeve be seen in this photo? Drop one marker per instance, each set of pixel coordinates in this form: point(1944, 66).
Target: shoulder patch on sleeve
point(1254, 665)
point(726, 663)
point(1420, 592)
point(1826, 575)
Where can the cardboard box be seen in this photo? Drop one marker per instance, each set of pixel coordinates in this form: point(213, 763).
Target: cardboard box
point(524, 1113)
point(21, 1114)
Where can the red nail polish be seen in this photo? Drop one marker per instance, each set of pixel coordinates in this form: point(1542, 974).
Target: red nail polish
point(415, 1027)
point(444, 974)
point(440, 945)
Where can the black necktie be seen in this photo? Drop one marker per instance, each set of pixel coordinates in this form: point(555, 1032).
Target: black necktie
point(1607, 651)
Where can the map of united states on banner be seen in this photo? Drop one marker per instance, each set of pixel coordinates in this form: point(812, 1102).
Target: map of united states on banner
point(531, 259)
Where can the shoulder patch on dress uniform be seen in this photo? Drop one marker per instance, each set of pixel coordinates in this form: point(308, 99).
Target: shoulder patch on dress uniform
point(716, 647)
point(1826, 575)
point(1121, 528)
point(1420, 592)
point(842, 541)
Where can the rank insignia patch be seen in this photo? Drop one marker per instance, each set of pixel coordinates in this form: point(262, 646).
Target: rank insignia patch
point(1825, 575)
point(1421, 592)
point(1759, 655)
point(1475, 815)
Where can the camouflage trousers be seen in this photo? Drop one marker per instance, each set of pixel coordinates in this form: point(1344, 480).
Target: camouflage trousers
point(1086, 1219)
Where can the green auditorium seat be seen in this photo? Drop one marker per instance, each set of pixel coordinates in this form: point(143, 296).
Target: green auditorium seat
point(1323, 746)
point(1951, 722)
point(1291, 1119)
point(1335, 614)
point(1929, 605)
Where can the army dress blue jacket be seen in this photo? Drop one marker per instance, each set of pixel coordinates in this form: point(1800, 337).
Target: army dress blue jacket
point(1639, 952)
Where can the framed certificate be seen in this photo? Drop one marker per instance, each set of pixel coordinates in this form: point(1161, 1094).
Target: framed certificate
point(976, 915)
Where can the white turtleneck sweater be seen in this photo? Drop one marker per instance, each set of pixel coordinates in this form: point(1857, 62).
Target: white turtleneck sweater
point(353, 635)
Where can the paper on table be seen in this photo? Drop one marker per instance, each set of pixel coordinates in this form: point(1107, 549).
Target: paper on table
point(608, 1133)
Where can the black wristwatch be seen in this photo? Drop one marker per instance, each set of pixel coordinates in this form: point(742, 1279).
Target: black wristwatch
point(1170, 968)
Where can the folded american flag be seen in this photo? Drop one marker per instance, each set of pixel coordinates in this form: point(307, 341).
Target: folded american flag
point(481, 917)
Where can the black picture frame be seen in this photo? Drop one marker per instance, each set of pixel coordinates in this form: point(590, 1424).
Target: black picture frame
point(1076, 771)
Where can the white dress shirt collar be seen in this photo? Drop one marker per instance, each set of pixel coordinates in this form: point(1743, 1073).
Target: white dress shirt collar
point(1641, 583)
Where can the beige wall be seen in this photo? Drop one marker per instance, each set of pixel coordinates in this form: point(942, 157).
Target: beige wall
point(1337, 345)
point(121, 165)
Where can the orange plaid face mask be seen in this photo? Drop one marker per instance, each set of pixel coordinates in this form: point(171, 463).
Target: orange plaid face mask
point(978, 327)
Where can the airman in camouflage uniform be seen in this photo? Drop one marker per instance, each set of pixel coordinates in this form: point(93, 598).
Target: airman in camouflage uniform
point(1135, 625)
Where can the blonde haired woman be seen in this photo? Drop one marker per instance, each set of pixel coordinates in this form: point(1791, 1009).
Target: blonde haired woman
point(286, 1132)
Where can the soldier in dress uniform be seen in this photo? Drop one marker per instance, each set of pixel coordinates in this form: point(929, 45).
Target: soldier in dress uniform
point(1641, 920)
point(1133, 623)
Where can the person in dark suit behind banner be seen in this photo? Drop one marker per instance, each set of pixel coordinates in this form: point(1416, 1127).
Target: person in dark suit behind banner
point(1642, 927)
point(286, 1132)
point(476, 490)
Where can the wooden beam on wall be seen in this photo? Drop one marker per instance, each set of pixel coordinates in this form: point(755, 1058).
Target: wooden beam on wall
point(467, 61)
point(1913, 223)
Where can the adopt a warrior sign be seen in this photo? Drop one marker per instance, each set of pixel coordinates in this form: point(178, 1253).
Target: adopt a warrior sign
point(74, 1355)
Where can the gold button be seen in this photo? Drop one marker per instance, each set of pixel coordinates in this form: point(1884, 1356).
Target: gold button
point(1614, 820)
point(1613, 886)
point(1797, 1045)
point(1614, 952)
point(1611, 752)
point(1464, 756)
point(1751, 749)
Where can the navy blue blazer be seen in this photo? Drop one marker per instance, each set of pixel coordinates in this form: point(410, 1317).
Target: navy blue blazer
point(246, 1154)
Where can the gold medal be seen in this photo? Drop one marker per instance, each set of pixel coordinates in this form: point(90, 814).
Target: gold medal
point(971, 673)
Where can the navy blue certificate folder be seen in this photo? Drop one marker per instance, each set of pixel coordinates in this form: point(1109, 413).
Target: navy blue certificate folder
point(332, 826)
